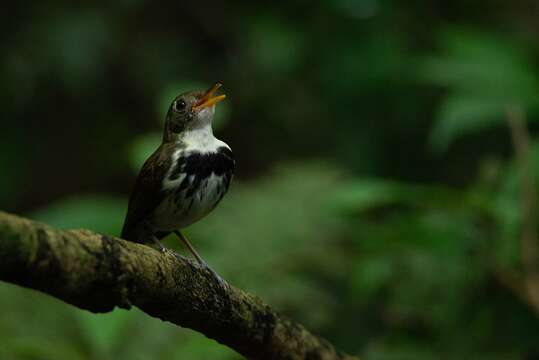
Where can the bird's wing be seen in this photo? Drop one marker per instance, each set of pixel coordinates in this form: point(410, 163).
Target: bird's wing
point(148, 191)
point(228, 166)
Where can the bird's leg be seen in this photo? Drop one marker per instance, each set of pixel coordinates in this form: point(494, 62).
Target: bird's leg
point(159, 244)
point(148, 232)
point(164, 249)
point(190, 248)
point(199, 258)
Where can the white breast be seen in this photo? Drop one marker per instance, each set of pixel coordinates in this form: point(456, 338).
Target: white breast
point(182, 208)
point(179, 210)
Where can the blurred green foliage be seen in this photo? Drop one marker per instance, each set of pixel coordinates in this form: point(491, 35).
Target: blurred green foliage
point(485, 75)
point(376, 197)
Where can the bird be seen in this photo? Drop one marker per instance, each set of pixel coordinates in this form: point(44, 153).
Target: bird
point(185, 178)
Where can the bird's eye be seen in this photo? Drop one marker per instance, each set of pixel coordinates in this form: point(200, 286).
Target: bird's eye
point(179, 105)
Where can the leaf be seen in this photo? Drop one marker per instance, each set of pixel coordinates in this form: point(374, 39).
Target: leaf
point(483, 74)
point(460, 115)
point(482, 65)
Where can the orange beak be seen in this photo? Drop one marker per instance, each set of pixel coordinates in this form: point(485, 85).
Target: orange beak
point(207, 99)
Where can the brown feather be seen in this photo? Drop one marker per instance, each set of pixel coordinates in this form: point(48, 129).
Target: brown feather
point(148, 191)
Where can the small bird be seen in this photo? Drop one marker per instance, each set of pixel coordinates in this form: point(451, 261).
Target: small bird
point(185, 178)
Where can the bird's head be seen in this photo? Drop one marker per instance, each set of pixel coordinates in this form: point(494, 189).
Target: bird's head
point(191, 110)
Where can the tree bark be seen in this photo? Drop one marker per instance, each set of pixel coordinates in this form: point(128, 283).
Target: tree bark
point(99, 272)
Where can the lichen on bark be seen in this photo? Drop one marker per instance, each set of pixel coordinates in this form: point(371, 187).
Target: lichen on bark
point(98, 273)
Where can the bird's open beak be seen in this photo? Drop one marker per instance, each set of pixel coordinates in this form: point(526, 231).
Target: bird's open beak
point(208, 99)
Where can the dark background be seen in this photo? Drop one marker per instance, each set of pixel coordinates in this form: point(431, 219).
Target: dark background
point(376, 199)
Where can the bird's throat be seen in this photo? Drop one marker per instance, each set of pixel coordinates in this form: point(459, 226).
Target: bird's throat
point(198, 138)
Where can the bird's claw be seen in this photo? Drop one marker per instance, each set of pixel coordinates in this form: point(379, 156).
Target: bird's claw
point(164, 250)
point(178, 256)
point(222, 282)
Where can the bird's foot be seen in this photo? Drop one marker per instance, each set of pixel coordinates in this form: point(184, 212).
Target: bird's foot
point(222, 282)
point(159, 245)
point(177, 255)
point(165, 250)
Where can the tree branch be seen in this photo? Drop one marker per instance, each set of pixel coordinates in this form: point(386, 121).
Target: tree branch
point(98, 272)
point(529, 247)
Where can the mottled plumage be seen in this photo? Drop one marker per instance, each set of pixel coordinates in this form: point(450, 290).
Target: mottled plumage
point(193, 186)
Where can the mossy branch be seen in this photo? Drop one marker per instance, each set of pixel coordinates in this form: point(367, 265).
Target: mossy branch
point(99, 272)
